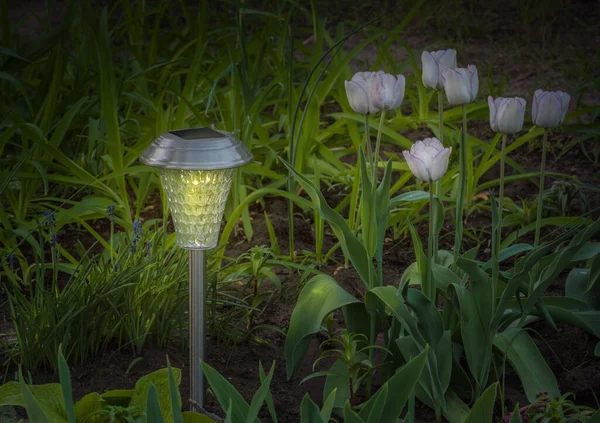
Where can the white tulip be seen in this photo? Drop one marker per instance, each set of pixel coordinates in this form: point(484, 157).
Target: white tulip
point(434, 63)
point(387, 91)
point(428, 159)
point(461, 84)
point(358, 90)
point(506, 114)
point(549, 108)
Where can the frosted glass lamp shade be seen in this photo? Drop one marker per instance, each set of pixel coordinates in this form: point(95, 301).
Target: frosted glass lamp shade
point(197, 167)
point(197, 199)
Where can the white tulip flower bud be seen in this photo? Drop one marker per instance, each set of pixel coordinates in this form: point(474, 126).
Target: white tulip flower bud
point(434, 63)
point(506, 114)
point(428, 159)
point(461, 84)
point(358, 90)
point(387, 91)
point(549, 108)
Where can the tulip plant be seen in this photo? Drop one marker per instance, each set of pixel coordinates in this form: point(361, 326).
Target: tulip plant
point(486, 308)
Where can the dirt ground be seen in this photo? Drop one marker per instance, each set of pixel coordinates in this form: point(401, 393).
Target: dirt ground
point(559, 53)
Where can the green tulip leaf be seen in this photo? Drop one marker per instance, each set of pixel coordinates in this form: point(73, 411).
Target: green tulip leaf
point(350, 416)
point(524, 356)
point(65, 382)
point(577, 285)
point(174, 395)
point(409, 196)
point(318, 298)
point(35, 412)
point(153, 414)
point(367, 208)
point(401, 384)
point(382, 197)
point(260, 396)
point(475, 315)
point(516, 415)
point(309, 411)
point(229, 398)
point(328, 406)
point(483, 410)
point(429, 321)
point(378, 406)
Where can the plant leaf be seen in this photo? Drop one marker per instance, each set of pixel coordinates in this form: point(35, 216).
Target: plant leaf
point(318, 298)
point(482, 411)
point(528, 362)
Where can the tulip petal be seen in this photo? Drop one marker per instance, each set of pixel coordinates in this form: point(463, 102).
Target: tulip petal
point(456, 87)
point(474, 81)
point(447, 59)
point(431, 78)
point(492, 107)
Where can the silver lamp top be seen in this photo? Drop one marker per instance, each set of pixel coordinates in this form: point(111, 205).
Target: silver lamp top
point(196, 149)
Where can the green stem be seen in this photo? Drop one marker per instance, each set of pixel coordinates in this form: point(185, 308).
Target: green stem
point(538, 222)
point(460, 201)
point(496, 269)
point(291, 244)
point(438, 183)
point(377, 145)
point(112, 253)
point(429, 289)
point(368, 141)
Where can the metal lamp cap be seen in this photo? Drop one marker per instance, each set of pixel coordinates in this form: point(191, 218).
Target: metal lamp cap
point(196, 149)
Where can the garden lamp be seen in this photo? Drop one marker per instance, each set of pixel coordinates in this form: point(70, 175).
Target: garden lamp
point(197, 167)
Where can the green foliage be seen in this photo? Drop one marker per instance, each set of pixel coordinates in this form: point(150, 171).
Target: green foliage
point(139, 299)
point(353, 352)
point(155, 399)
point(551, 409)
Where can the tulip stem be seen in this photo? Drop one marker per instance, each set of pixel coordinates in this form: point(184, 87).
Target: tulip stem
point(498, 240)
point(368, 141)
point(429, 289)
point(438, 183)
point(377, 145)
point(538, 222)
point(460, 201)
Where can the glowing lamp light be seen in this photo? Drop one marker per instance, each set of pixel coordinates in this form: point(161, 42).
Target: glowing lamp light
point(197, 168)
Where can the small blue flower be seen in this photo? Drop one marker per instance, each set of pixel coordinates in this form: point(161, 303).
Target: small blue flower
point(137, 228)
point(116, 268)
point(53, 240)
point(50, 220)
point(111, 213)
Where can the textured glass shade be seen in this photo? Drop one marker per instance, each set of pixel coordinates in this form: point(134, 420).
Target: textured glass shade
point(197, 199)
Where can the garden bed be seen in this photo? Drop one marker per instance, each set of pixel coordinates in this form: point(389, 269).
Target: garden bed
point(553, 58)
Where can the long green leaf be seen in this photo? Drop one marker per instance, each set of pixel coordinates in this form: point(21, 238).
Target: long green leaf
point(536, 376)
point(318, 298)
point(483, 410)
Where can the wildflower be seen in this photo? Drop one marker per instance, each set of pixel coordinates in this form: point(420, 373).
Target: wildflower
point(50, 219)
point(111, 213)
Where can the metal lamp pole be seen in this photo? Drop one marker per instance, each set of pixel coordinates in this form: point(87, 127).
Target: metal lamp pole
point(197, 167)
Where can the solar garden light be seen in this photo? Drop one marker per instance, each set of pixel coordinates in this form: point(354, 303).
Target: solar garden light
point(197, 167)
